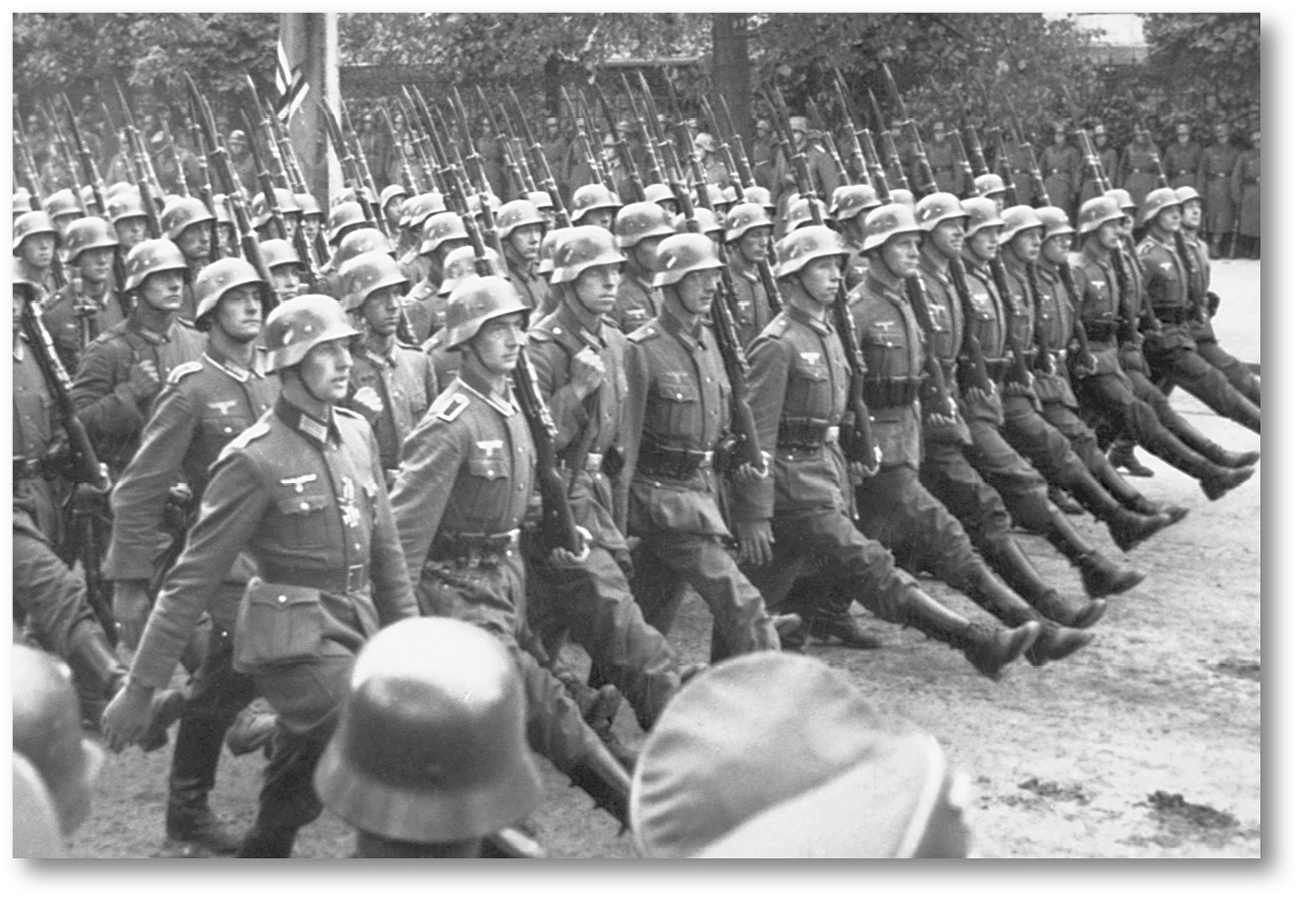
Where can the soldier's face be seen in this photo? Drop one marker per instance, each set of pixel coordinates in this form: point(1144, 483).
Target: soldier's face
point(382, 310)
point(526, 241)
point(162, 290)
point(696, 290)
point(597, 287)
point(285, 280)
point(1192, 214)
point(1108, 234)
point(499, 343)
point(239, 313)
point(1170, 219)
point(601, 218)
point(670, 206)
point(821, 279)
point(984, 244)
point(1027, 244)
point(646, 253)
point(902, 254)
point(311, 227)
point(38, 250)
point(1056, 249)
point(947, 237)
point(61, 222)
point(324, 370)
point(195, 241)
point(753, 244)
point(95, 264)
point(20, 304)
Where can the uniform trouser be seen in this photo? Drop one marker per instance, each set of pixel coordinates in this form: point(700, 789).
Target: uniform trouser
point(1083, 442)
point(594, 602)
point(47, 592)
point(1128, 409)
point(668, 560)
point(823, 542)
point(1022, 488)
point(492, 597)
point(1047, 449)
point(1184, 367)
point(1243, 380)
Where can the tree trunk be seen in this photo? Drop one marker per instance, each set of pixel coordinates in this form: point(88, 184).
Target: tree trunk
point(731, 70)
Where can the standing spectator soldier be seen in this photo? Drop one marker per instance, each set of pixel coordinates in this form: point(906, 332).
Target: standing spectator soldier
point(943, 161)
point(1182, 159)
point(618, 173)
point(391, 384)
point(1245, 194)
point(302, 492)
point(680, 398)
point(377, 147)
point(555, 147)
point(206, 404)
point(187, 223)
point(125, 368)
point(581, 372)
point(763, 158)
point(493, 158)
point(707, 151)
point(1022, 158)
point(118, 167)
point(241, 159)
point(1214, 182)
point(1107, 158)
point(520, 226)
point(1139, 167)
point(906, 155)
point(748, 231)
point(802, 513)
point(1062, 170)
point(639, 228)
point(90, 304)
point(820, 167)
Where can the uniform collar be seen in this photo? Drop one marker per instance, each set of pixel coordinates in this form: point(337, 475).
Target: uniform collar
point(228, 365)
point(570, 324)
point(797, 314)
point(505, 405)
point(316, 430)
point(936, 270)
point(133, 324)
point(1097, 254)
point(19, 352)
point(890, 291)
point(692, 338)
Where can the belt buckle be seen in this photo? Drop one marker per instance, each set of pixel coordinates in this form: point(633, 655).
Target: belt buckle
point(707, 461)
point(594, 461)
point(833, 433)
point(356, 577)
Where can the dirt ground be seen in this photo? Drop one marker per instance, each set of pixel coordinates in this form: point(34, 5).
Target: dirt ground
point(1146, 744)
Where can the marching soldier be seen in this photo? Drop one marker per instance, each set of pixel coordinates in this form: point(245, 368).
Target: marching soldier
point(820, 167)
point(639, 229)
point(850, 207)
point(1182, 159)
point(459, 501)
point(1139, 168)
point(680, 394)
point(63, 207)
point(1245, 193)
point(36, 241)
point(302, 492)
point(748, 231)
point(187, 223)
point(206, 404)
point(286, 268)
point(1214, 182)
point(241, 160)
point(130, 222)
point(798, 389)
point(263, 220)
point(593, 204)
point(519, 227)
point(943, 161)
point(1172, 352)
point(444, 233)
point(581, 372)
point(420, 209)
point(391, 384)
point(91, 303)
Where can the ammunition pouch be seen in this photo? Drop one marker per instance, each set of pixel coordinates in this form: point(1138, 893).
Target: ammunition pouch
point(888, 392)
point(803, 434)
point(473, 549)
point(672, 463)
point(1101, 330)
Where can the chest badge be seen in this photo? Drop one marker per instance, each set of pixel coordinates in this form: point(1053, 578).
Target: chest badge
point(298, 482)
point(812, 358)
point(224, 407)
point(348, 504)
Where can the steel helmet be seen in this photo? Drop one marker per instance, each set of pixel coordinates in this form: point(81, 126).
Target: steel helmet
point(517, 214)
point(63, 202)
point(657, 193)
point(345, 215)
point(88, 199)
point(118, 187)
point(362, 240)
point(886, 222)
point(546, 253)
point(850, 199)
point(1122, 199)
point(728, 198)
point(762, 196)
point(704, 142)
point(800, 212)
point(707, 220)
point(541, 200)
point(181, 212)
point(297, 325)
point(440, 228)
point(223, 275)
point(1158, 200)
point(1184, 194)
point(716, 196)
point(461, 263)
point(1054, 220)
point(801, 246)
point(983, 214)
point(261, 212)
point(938, 207)
point(150, 257)
point(31, 223)
point(474, 302)
point(744, 217)
point(221, 203)
point(987, 185)
point(422, 206)
point(430, 745)
point(474, 202)
point(30, 290)
point(22, 201)
point(279, 252)
point(124, 205)
point(681, 254)
point(638, 221)
point(389, 192)
point(1017, 219)
point(1097, 211)
point(592, 196)
point(91, 232)
point(579, 248)
point(307, 203)
point(901, 195)
point(366, 273)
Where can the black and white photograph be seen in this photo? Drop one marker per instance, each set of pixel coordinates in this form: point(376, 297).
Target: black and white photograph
point(646, 435)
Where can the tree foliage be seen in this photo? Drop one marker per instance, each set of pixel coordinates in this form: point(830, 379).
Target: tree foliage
point(1206, 68)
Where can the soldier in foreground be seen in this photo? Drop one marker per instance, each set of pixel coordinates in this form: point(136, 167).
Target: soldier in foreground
point(302, 492)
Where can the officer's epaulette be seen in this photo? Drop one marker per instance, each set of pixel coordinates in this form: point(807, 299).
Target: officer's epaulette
point(775, 328)
point(550, 333)
point(183, 370)
point(643, 333)
point(402, 344)
point(449, 405)
point(257, 431)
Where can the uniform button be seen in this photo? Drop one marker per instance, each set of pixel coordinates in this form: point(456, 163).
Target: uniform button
point(304, 506)
point(282, 599)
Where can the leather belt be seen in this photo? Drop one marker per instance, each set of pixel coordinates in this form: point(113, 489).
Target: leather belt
point(339, 581)
point(1100, 329)
point(1171, 314)
point(672, 463)
point(805, 435)
point(591, 463)
point(891, 392)
point(28, 469)
point(474, 548)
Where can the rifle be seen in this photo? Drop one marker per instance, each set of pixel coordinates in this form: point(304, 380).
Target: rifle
point(607, 176)
point(516, 156)
point(864, 149)
point(976, 152)
point(348, 164)
point(915, 290)
point(86, 505)
point(182, 187)
point(927, 185)
point(621, 147)
point(409, 181)
point(539, 160)
point(64, 153)
point(657, 170)
point(828, 142)
point(1085, 362)
point(264, 180)
point(422, 125)
point(142, 167)
point(28, 161)
point(219, 157)
point(968, 173)
point(892, 158)
point(371, 196)
point(507, 151)
point(1040, 197)
point(859, 442)
point(735, 146)
point(976, 366)
point(1013, 339)
point(1003, 162)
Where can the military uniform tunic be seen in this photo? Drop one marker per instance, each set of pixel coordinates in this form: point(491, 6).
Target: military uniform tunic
point(1182, 161)
point(753, 308)
point(404, 380)
point(71, 328)
point(1245, 192)
point(1214, 184)
point(637, 301)
point(1062, 170)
